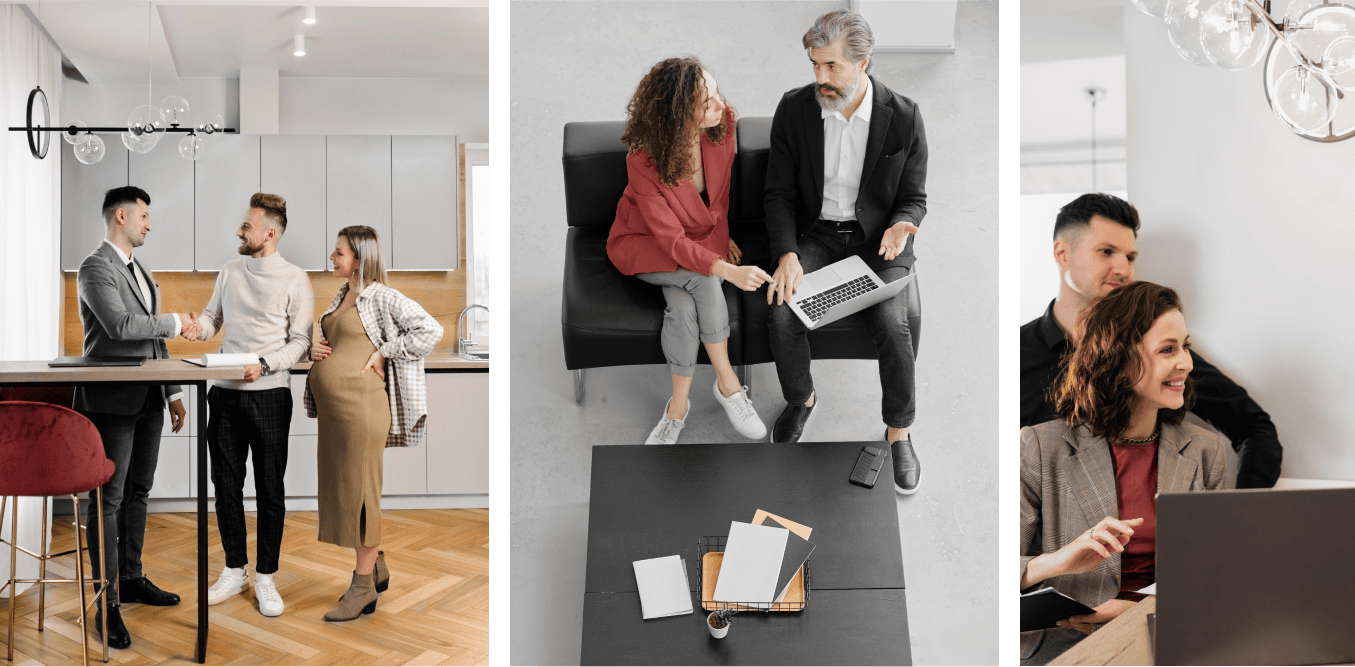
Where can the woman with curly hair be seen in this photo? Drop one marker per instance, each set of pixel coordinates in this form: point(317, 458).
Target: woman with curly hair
point(1089, 479)
point(672, 230)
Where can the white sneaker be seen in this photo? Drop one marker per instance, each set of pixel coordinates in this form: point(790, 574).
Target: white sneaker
point(666, 433)
point(233, 581)
point(741, 413)
point(266, 592)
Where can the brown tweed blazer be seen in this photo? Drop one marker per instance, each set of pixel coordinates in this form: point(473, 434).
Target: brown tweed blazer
point(1068, 486)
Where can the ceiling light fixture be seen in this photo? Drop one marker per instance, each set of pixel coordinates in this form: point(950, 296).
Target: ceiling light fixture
point(310, 15)
point(300, 49)
point(1309, 53)
point(144, 125)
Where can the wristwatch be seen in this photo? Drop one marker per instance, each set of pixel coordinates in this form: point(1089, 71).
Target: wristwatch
point(264, 365)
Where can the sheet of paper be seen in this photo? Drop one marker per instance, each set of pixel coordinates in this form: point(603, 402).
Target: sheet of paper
point(798, 529)
point(751, 564)
point(219, 360)
point(1150, 589)
point(663, 587)
point(797, 552)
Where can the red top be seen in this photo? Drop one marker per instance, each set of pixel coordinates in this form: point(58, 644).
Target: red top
point(660, 227)
point(1136, 479)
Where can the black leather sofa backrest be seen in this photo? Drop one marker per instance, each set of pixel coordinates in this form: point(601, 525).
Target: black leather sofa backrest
point(595, 172)
point(755, 140)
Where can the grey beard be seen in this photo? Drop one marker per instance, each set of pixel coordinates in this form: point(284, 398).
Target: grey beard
point(841, 101)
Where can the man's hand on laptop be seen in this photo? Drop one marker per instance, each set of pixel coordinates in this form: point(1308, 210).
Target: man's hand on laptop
point(896, 237)
point(786, 280)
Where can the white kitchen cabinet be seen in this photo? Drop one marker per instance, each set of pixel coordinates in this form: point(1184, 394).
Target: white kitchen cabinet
point(358, 177)
point(458, 433)
point(301, 424)
point(424, 211)
point(168, 179)
point(293, 166)
point(225, 177)
point(172, 472)
point(82, 196)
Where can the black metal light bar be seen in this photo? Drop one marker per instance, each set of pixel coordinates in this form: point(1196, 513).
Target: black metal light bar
point(73, 130)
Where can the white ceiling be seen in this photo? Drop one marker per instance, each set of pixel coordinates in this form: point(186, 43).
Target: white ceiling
point(107, 40)
point(1069, 29)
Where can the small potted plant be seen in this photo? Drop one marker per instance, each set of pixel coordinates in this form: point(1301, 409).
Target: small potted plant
point(718, 622)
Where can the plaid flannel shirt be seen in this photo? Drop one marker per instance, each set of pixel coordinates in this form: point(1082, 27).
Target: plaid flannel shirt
point(404, 333)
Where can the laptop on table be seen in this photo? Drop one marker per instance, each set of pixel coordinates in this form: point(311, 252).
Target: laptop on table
point(65, 362)
point(841, 289)
point(1255, 577)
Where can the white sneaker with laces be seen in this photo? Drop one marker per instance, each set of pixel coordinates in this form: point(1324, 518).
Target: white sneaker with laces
point(666, 433)
point(741, 413)
point(266, 592)
point(233, 581)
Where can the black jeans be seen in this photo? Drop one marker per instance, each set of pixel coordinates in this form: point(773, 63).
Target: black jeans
point(252, 424)
point(132, 443)
point(888, 327)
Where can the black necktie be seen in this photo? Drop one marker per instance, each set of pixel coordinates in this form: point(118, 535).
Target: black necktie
point(131, 267)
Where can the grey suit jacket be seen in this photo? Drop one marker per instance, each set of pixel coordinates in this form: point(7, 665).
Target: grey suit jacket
point(1068, 486)
point(119, 322)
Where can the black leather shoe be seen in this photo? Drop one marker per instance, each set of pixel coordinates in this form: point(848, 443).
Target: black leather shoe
point(143, 591)
point(791, 424)
point(117, 632)
point(907, 469)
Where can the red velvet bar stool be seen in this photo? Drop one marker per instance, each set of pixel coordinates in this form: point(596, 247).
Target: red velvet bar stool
point(48, 450)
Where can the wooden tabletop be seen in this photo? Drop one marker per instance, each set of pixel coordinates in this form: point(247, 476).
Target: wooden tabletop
point(1123, 641)
point(154, 370)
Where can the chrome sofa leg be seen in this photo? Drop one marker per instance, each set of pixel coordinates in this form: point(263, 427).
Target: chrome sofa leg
point(578, 386)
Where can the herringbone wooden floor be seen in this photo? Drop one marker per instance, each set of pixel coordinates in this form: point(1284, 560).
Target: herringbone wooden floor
point(436, 611)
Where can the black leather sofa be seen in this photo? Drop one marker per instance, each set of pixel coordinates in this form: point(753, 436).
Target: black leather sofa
point(610, 319)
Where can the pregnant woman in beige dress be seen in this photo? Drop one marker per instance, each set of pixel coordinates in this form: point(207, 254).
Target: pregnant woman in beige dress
point(367, 391)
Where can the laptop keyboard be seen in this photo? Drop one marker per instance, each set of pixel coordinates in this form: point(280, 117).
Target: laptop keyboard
point(816, 306)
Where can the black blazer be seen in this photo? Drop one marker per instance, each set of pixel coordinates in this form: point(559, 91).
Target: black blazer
point(893, 178)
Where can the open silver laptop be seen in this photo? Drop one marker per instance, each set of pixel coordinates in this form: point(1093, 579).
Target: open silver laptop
point(840, 289)
point(1255, 577)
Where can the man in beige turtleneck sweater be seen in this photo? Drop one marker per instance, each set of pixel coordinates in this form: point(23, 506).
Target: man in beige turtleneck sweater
point(262, 305)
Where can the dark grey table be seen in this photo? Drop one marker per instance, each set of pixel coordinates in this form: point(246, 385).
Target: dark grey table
point(648, 502)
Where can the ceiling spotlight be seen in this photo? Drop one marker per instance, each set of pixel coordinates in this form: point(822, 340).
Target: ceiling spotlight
point(310, 15)
point(300, 49)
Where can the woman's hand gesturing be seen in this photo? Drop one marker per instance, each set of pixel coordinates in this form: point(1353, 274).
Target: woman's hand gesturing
point(1082, 554)
point(320, 349)
point(746, 278)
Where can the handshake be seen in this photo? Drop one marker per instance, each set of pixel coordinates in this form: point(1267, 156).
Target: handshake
point(192, 328)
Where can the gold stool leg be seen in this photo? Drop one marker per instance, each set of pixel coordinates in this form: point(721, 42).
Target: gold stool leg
point(42, 569)
point(103, 570)
point(13, 556)
point(80, 574)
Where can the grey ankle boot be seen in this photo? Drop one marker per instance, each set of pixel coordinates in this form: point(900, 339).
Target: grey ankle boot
point(383, 576)
point(358, 600)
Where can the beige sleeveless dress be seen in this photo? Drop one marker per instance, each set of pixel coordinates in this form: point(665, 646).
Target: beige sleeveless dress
point(354, 416)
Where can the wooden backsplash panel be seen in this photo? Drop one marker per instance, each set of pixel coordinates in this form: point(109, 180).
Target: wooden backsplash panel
point(441, 293)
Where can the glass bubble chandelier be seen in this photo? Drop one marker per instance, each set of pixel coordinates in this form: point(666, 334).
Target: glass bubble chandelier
point(1307, 54)
point(145, 125)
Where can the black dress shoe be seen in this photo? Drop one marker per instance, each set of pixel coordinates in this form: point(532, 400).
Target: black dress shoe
point(117, 632)
point(907, 469)
point(143, 591)
point(791, 424)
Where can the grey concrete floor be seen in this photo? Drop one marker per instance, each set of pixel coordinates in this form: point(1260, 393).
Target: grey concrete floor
point(949, 527)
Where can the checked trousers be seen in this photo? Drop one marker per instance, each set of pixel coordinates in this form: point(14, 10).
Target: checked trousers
point(251, 424)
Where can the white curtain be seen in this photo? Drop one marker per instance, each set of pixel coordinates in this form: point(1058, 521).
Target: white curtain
point(30, 224)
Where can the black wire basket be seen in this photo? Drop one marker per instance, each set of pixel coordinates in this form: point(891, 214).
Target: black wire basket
point(794, 600)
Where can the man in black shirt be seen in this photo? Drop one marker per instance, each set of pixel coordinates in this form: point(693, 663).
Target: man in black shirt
point(1094, 246)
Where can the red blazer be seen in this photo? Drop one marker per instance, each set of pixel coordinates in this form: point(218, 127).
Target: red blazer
point(660, 227)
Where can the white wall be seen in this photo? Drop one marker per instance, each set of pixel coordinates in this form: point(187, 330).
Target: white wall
point(310, 105)
point(1251, 223)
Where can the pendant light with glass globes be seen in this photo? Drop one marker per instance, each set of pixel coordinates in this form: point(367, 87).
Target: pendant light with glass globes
point(1307, 54)
point(145, 125)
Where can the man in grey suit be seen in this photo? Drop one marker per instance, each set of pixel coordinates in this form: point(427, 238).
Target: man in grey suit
point(120, 311)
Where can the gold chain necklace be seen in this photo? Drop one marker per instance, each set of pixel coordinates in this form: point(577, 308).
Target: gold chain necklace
point(1140, 441)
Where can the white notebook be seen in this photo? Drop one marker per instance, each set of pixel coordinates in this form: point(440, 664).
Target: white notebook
point(751, 564)
point(664, 587)
point(218, 360)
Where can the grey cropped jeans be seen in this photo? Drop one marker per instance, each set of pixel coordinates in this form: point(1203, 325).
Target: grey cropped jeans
point(696, 314)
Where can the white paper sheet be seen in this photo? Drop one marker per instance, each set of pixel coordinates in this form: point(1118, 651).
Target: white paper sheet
point(664, 588)
point(218, 360)
point(751, 564)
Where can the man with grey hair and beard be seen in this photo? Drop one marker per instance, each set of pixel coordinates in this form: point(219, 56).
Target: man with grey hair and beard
point(263, 306)
point(846, 176)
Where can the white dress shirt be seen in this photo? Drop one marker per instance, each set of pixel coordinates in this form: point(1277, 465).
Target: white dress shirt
point(146, 294)
point(844, 154)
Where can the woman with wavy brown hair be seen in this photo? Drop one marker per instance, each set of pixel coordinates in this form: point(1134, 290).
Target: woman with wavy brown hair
point(1089, 478)
point(672, 230)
